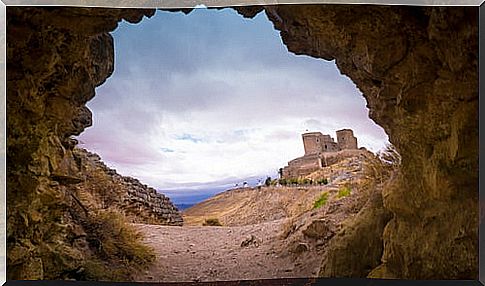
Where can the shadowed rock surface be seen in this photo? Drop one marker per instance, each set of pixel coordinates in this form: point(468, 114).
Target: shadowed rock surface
point(141, 204)
point(417, 69)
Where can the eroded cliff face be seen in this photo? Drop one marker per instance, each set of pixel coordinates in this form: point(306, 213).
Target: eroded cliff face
point(55, 59)
point(416, 66)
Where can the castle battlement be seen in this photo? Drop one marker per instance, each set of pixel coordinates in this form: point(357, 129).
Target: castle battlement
point(321, 150)
point(316, 142)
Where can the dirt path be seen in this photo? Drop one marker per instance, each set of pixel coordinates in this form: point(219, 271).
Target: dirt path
point(208, 253)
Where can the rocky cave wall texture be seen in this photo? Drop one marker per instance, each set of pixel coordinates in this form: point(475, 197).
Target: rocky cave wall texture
point(417, 69)
point(139, 202)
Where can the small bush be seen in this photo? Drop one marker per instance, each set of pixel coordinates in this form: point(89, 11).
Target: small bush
point(119, 250)
point(283, 182)
point(267, 182)
point(321, 201)
point(212, 222)
point(380, 168)
point(305, 181)
point(343, 192)
point(323, 181)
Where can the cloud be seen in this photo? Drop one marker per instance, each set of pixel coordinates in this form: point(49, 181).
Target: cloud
point(188, 137)
point(200, 100)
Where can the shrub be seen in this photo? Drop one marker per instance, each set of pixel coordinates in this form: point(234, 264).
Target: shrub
point(293, 181)
point(118, 248)
point(380, 168)
point(321, 201)
point(212, 222)
point(283, 182)
point(323, 181)
point(267, 183)
point(343, 192)
point(306, 181)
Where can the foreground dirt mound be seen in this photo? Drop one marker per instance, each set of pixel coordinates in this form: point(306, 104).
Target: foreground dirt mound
point(267, 233)
point(273, 249)
point(307, 231)
point(197, 253)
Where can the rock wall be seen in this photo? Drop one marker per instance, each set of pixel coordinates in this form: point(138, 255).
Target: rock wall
point(142, 204)
point(346, 139)
point(416, 67)
point(55, 59)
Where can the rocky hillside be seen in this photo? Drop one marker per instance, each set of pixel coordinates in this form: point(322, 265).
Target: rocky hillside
point(101, 243)
point(316, 224)
point(245, 206)
point(141, 204)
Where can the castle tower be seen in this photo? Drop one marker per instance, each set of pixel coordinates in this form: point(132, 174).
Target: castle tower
point(346, 139)
point(316, 142)
point(312, 142)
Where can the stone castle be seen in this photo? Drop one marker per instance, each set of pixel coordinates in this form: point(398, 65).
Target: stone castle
point(322, 151)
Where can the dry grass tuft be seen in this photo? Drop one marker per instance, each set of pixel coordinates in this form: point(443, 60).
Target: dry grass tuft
point(118, 250)
point(343, 192)
point(212, 222)
point(382, 167)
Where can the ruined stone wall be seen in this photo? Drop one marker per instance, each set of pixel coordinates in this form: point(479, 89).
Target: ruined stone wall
point(330, 146)
point(320, 150)
point(331, 158)
point(316, 142)
point(142, 204)
point(308, 164)
point(301, 166)
point(346, 139)
point(312, 142)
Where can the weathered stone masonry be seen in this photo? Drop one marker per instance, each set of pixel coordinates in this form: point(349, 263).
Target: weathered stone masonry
point(316, 142)
point(321, 151)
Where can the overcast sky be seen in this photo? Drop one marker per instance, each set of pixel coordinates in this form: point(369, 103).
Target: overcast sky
point(212, 98)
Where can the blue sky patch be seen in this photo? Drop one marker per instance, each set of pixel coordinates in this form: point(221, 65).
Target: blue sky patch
point(188, 137)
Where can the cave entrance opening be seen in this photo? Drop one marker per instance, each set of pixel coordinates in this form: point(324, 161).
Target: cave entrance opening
point(204, 102)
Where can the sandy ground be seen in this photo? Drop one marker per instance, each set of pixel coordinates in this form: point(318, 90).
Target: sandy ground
point(210, 253)
point(289, 237)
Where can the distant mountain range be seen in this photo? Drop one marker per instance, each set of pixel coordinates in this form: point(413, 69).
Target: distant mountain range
point(184, 198)
point(182, 207)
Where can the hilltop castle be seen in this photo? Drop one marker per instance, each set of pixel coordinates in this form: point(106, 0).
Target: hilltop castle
point(321, 151)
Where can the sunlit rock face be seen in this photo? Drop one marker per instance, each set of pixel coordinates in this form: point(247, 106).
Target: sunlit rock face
point(417, 68)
